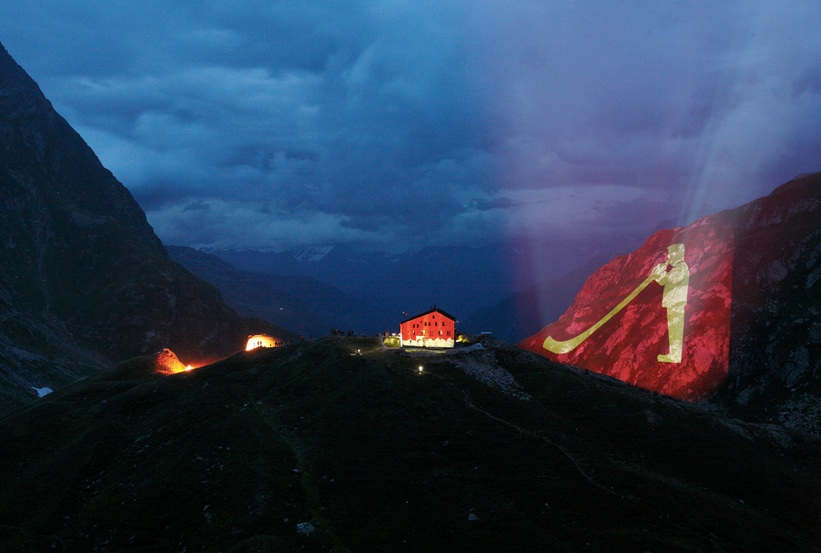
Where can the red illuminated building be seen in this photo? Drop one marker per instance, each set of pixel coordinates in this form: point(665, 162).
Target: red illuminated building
point(431, 329)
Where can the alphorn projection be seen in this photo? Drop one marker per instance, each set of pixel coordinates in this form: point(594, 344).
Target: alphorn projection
point(674, 275)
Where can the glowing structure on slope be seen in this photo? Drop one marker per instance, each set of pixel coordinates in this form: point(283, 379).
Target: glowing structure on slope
point(261, 341)
point(167, 362)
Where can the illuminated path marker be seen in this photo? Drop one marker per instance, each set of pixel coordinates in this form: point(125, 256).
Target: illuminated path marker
point(674, 275)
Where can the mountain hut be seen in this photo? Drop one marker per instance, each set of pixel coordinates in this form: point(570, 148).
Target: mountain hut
point(432, 329)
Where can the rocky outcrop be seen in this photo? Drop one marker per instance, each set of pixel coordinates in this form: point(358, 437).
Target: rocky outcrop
point(84, 280)
point(749, 332)
point(775, 346)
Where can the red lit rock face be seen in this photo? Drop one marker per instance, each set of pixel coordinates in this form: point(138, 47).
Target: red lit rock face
point(658, 318)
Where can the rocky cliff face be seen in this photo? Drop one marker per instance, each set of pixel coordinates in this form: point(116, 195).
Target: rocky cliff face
point(736, 321)
point(775, 345)
point(83, 278)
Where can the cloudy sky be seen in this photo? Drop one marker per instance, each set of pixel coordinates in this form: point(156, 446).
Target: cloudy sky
point(388, 124)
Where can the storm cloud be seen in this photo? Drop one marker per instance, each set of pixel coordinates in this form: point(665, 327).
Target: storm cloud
point(392, 125)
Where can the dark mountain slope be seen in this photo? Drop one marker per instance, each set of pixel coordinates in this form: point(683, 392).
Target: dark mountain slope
point(374, 456)
point(775, 345)
point(83, 278)
point(45, 159)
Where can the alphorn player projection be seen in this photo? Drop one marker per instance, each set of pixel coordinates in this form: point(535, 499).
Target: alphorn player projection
point(658, 318)
point(674, 298)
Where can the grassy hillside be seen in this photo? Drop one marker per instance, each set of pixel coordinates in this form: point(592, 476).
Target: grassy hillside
point(377, 456)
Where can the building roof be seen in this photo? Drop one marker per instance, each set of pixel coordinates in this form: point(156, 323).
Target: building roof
point(429, 311)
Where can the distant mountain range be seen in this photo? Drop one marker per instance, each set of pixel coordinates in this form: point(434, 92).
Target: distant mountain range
point(302, 304)
point(407, 282)
point(462, 280)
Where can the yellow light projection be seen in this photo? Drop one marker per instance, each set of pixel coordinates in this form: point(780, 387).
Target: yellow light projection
point(674, 275)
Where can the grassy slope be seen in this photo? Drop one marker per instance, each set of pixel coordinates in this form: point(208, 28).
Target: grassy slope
point(378, 457)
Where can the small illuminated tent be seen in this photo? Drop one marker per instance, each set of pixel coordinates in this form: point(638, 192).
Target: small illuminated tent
point(261, 341)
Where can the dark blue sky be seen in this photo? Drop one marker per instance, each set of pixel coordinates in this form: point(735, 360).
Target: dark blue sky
point(402, 124)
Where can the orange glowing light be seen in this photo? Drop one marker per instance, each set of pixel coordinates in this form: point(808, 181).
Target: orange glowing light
point(167, 362)
point(261, 341)
point(181, 368)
